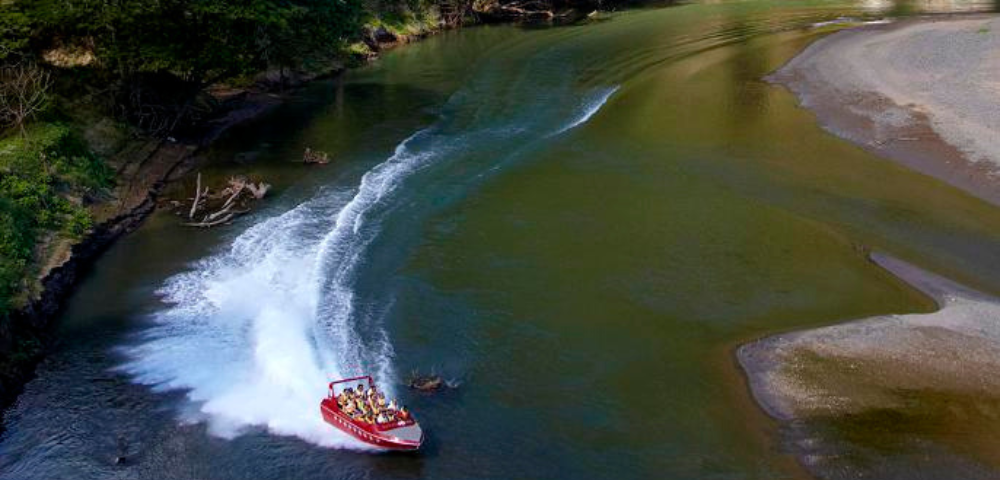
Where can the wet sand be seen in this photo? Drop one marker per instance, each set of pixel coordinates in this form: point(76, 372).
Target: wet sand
point(924, 384)
point(921, 92)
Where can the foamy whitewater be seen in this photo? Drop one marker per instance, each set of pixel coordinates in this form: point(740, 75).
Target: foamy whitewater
point(254, 334)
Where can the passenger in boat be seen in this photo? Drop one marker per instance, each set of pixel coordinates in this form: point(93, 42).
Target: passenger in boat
point(404, 414)
point(392, 405)
point(381, 419)
point(381, 400)
point(344, 398)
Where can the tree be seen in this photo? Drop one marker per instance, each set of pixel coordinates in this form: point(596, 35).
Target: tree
point(23, 92)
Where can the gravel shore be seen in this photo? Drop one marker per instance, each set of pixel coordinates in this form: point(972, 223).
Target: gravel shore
point(923, 92)
point(924, 382)
point(956, 347)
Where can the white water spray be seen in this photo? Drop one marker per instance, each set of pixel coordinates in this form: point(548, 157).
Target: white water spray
point(253, 334)
point(591, 106)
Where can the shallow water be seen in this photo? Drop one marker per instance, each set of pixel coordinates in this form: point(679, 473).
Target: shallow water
point(575, 223)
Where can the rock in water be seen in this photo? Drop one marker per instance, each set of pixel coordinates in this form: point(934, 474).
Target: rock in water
point(426, 383)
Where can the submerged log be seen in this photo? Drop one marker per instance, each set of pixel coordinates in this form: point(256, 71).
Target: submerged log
point(426, 383)
point(208, 223)
point(315, 157)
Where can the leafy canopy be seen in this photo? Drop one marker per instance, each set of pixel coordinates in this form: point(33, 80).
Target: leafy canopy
point(198, 40)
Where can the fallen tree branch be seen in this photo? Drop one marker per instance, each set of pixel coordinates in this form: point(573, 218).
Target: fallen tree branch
point(211, 224)
point(237, 185)
point(221, 206)
point(197, 198)
point(213, 216)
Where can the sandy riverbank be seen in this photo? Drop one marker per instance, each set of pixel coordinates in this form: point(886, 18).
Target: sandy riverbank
point(889, 396)
point(922, 92)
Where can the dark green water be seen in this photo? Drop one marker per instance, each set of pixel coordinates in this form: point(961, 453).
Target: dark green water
point(578, 224)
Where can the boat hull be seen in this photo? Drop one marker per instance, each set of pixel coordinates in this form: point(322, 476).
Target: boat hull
point(409, 437)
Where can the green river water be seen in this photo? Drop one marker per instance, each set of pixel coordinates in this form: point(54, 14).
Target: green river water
point(578, 224)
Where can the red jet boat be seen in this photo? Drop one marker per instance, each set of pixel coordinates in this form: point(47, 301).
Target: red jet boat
point(395, 435)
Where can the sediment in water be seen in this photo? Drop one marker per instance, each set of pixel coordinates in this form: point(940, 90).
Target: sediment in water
point(891, 396)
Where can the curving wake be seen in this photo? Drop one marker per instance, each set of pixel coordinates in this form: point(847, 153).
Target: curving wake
point(254, 333)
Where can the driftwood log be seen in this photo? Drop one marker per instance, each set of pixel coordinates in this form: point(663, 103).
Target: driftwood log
point(430, 382)
point(197, 198)
point(315, 157)
point(222, 207)
point(427, 383)
point(493, 10)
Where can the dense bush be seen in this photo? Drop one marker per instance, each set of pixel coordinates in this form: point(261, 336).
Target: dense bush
point(197, 40)
point(149, 61)
point(44, 178)
point(152, 58)
point(15, 30)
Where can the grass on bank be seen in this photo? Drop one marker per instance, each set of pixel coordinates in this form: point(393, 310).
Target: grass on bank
point(47, 176)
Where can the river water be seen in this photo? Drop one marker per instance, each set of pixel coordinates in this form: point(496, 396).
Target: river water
point(577, 225)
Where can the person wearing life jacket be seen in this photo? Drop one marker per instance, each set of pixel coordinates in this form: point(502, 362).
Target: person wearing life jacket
point(404, 414)
point(381, 418)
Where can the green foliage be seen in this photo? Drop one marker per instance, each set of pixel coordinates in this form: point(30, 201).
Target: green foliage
point(16, 243)
point(198, 40)
point(154, 57)
point(15, 30)
point(39, 175)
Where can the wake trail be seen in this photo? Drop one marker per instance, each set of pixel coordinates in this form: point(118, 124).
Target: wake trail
point(592, 105)
point(254, 333)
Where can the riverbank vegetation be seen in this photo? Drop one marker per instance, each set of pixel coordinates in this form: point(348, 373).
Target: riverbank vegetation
point(47, 176)
point(82, 79)
point(93, 94)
